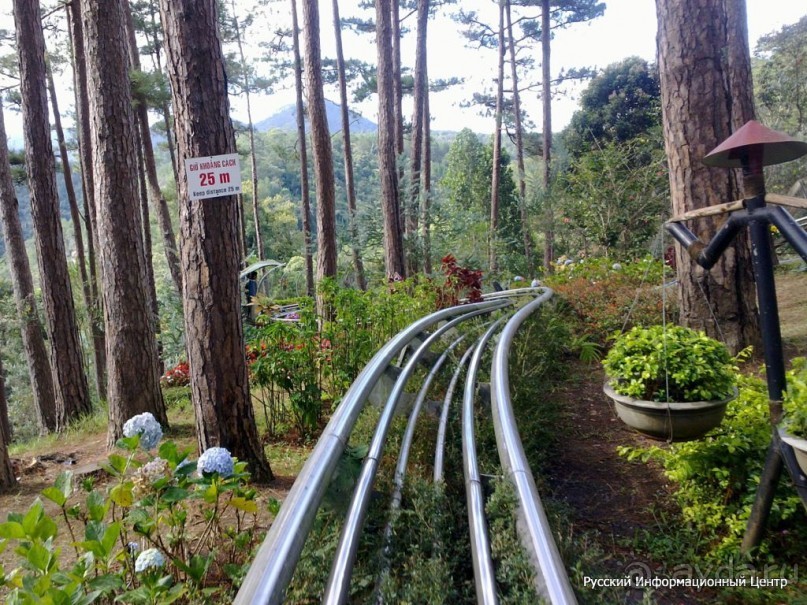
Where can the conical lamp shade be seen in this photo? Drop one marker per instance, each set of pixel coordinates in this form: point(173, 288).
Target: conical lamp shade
point(777, 147)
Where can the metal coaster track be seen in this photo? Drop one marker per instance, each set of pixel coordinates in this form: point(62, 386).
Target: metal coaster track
point(274, 564)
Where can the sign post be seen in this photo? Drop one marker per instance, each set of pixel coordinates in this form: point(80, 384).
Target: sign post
point(213, 176)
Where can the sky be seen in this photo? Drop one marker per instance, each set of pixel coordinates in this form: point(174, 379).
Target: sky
point(627, 28)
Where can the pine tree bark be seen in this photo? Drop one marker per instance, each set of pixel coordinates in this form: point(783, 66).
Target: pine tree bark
point(210, 263)
point(96, 331)
point(522, 179)
point(87, 181)
point(7, 478)
point(350, 185)
point(397, 105)
point(706, 93)
point(426, 183)
point(320, 145)
point(390, 206)
point(155, 194)
point(70, 382)
point(416, 155)
point(493, 265)
point(546, 75)
point(259, 246)
point(303, 142)
point(132, 360)
point(36, 355)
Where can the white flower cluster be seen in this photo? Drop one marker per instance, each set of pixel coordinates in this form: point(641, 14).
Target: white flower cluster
point(148, 559)
point(216, 460)
point(148, 474)
point(147, 427)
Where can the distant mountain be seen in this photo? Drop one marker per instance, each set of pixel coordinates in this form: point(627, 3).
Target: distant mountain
point(286, 119)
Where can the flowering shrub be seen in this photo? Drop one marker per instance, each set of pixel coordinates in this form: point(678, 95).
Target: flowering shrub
point(159, 533)
point(605, 300)
point(178, 376)
point(146, 427)
point(460, 282)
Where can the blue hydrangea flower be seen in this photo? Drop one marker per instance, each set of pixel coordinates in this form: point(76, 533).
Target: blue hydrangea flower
point(133, 547)
point(215, 460)
point(148, 559)
point(147, 427)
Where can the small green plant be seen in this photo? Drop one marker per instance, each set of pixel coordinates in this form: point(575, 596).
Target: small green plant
point(796, 399)
point(670, 363)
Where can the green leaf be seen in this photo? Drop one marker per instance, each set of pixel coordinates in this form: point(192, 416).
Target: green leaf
point(55, 495)
point(106, 583)
point(122, 494)
point(110, 537)
point(118, 463)
point(12, 531)
point(96, 506)
point(39, 557)
point(174, 494)
point(211, 493)
point(248, 506)
point(32, 517)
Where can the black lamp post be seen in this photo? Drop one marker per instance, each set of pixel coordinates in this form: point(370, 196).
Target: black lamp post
point(751, 148)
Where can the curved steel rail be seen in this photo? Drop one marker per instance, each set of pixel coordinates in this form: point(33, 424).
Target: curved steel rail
point(440, 448)
point(552, 578)
point(338, 586)
point(484, 575)
point(273, 567)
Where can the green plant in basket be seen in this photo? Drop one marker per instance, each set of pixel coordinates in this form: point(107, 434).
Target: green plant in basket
point(670, 363)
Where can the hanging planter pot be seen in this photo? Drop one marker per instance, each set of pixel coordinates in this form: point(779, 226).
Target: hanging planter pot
point(669, 421)
point(669, 382)
point(799, 446)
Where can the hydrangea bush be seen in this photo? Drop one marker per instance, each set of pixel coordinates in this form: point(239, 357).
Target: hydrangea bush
point(159, 532)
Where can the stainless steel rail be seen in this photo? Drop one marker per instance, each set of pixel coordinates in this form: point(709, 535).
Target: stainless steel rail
point(552, 579)
point(440, 448)
point(273, 567)
point(484, 575)
point(338, 587)
point(403, 460)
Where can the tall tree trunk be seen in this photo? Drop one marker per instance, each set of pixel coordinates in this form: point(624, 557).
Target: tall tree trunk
point(87, 180)
point(496, 167)
point(210, 263)
point(390, 207)
point(304, 186)
point(148, 248)
point(549, 214)
point(416, 159)
point(397, 105)
point(7, 478)
point(22, 282)
point(706, 94)
point(522, 180)
point(89, 302)
point(70, 383)
point(261, 250)
point(320, 145)
point(132, 360)
point(150, 165)
point(426, 181)
point(358, 265)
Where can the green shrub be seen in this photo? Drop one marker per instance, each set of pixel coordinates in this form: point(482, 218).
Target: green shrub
point(670, 363)
point(717, 477)
point(605, 300)
point(162, 531)
point(795, 399)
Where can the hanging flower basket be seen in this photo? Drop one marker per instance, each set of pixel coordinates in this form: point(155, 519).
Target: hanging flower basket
point(673, 421)
point(669, 382)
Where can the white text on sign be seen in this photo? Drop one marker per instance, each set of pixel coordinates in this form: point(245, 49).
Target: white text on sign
point(213, 176)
